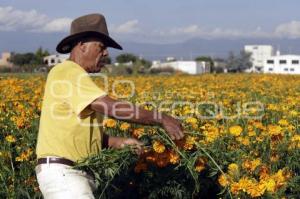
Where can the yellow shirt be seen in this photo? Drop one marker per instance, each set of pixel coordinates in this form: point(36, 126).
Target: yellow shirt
point(67, 127)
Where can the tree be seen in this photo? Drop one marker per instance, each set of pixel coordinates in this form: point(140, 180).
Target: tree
point(39, 55)
point(107, 60)
point(244, 60)
point(127, 57)
point(22, 59)
point(206, 59)
point(238, 63)
point(145, 63)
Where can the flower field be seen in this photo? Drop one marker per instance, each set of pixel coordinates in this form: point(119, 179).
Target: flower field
point(242, 137)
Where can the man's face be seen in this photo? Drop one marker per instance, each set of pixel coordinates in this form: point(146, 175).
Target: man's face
point(93, 54)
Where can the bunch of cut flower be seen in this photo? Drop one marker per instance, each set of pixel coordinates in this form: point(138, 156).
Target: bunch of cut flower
point(116, 175)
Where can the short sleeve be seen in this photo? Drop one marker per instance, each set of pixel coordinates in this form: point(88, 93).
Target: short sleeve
point(83, 91)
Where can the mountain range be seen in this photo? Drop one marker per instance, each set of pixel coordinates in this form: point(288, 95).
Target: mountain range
point(187, 50)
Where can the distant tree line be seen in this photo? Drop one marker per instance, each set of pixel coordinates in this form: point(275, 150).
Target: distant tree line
point(28, 62)
point(129, 63)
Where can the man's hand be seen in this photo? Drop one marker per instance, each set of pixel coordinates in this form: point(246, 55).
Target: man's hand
point(173, 127)
point(120, 142)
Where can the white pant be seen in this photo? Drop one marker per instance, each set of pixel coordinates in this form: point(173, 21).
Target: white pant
point(58, 181)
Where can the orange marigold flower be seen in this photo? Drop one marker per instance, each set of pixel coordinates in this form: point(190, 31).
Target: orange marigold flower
point(174, 157)
point(124, 126)
point(200, 164)
point(138, 132)
point(224, 180)
point(111, 123)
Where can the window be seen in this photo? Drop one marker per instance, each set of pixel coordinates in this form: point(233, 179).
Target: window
point(52, 61)
point(270, 61)
point(292, 69)
point(295, 61)
point(286, 69)
point(270, 69)
point(282, 61)
point(46, 61)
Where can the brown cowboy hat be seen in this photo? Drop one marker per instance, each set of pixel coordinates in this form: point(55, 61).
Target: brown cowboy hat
point(92, 25)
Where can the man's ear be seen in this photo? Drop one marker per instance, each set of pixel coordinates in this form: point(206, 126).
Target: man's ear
point(82, 46)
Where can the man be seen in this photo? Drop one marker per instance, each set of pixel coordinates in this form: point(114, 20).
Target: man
point(73, 109)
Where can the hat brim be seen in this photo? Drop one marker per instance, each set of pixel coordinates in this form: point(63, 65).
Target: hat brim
point(65, 45)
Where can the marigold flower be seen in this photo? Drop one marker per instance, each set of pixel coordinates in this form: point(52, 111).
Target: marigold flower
point(10, 138)
point(158, 147)
point(283, 122)
point(235, 130)
point(189, 143)
point(124, 126)
point(251, 165)
point(139, 132)
point(274, 130)
point(224, 180)
point(200, 164)
point(174, 157)
point(111, 123)
point(24, 155)
point(233, 169)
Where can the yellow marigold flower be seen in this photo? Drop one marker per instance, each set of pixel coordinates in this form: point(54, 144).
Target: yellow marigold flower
point(124, 126)
point(274, 130)
point(251, 133)
point(235, 130)
point(158, 147)
point(256, 190)
point(10, 139)
point(244, 184)
point(174, 157)
point(283, 122)
point(270, 185)
point(189, 143)
point(293, 113)
point(233, 169)
point(295, 142)
point(200, 164)
point(224, 180)
point(111, 123)
point(191, 120)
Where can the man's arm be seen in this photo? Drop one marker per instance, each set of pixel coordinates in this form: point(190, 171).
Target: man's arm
point(132, 113)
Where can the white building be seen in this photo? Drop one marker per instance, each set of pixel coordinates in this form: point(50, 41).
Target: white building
point(52, 60)
point(190, 67)
point(259, 54)
point(283, 64)
point(4, 61)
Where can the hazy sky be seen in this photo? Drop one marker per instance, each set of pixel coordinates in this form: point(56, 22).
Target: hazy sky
point(159, 21)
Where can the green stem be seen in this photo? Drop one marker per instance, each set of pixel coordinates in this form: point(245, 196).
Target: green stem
point(215, 163)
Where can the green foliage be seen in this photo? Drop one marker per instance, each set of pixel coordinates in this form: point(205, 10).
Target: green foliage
point(127, 57)
point(240, 62)
point(207, 59)
point(22, 59)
